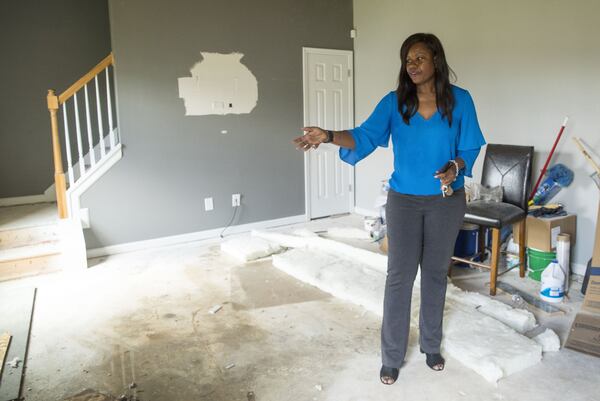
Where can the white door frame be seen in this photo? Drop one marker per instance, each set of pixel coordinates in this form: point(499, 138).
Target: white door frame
point(350, 54)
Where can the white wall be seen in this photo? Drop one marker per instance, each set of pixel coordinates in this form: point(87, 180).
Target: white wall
point(527, 64)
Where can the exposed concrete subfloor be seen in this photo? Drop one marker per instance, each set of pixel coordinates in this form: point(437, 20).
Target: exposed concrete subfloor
point(143, 317)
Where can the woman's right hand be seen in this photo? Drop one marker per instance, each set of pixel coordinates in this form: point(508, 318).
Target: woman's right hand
point(312, 138)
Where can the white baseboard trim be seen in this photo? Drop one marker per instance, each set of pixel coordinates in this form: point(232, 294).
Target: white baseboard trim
point(191, 237)
point(578, 268)
point(49, 195)
point(365, 212)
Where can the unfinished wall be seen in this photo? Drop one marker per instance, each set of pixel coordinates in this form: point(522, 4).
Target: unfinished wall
point(171, 161)
point(526, 64)
point(44, 45)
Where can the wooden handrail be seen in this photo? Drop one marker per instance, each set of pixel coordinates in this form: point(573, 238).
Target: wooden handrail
point(54, 103)
point(59, 174)
point(63, 97)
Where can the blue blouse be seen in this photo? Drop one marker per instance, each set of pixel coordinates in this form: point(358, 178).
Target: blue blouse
point(422, 147)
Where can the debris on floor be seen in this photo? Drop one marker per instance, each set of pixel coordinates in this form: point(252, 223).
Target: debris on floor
point(520, 320)
point(373, 260)
point(4, 343)
point(16, 311)
point(348, 232)
point(481, 333)
point(520, 296)
point(548, 340)
point(90, 395)
point(247, 248)
point(215, 309)
point(304, 232)
point(14, 363)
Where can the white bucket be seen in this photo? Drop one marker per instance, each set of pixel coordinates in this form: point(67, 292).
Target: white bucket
point(553, 283)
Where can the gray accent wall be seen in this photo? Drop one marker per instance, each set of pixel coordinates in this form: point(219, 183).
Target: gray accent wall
point(43, 45)
point(172, 162)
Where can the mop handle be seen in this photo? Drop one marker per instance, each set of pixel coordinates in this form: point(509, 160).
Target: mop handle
point(562, 128)
point(587, 155)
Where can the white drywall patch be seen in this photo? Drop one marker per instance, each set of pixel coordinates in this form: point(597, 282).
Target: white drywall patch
point(220, 84)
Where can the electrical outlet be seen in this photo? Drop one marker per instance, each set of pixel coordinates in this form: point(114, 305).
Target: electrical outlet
point(236, 200)
point(208, 204)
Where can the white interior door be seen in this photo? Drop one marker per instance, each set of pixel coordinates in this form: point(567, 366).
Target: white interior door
point(328, 103)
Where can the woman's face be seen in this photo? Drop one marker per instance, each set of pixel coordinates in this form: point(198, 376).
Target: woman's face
point(419, 64)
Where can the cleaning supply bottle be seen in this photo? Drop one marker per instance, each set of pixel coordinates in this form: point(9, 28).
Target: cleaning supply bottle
point(553, 283)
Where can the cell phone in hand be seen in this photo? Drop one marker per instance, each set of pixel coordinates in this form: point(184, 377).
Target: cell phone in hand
point(445, 167)
point(446, 189)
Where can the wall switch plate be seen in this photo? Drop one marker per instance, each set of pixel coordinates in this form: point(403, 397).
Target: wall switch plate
point(208, 204)
point(236, 200)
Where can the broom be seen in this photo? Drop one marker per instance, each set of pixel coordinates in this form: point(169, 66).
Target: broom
point(537, 184)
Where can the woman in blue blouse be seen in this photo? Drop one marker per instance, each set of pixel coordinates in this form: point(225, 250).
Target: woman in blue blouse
point(436, 139)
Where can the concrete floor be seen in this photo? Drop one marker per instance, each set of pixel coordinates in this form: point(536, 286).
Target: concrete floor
point(143, 317)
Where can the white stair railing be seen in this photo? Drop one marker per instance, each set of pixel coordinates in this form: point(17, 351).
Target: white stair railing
point(95, 143)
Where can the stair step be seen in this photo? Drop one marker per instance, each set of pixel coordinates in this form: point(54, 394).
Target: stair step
point(28, 236)
point(30, 251)
point(22, 216)
point(42, 264)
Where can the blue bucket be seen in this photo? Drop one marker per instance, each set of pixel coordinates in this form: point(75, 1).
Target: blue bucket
point(466, 242)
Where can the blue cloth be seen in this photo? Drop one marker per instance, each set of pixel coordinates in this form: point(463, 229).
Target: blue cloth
point(421, 147)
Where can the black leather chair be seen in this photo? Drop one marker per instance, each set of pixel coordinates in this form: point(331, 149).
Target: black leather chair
point(508, 166)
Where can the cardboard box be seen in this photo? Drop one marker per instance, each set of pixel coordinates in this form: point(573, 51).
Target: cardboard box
point(591, 301)
point(585, 334)
point(515, 232)
point(585, 331)
point(541, 233)
point(383, 246)
point(515, 229)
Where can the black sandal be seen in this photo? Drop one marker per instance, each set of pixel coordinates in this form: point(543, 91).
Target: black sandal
point(389, 373)
point(434, 360)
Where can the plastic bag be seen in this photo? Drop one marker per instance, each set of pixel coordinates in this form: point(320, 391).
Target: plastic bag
point(480, 192)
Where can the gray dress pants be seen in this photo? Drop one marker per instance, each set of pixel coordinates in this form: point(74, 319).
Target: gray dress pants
point(421, 231)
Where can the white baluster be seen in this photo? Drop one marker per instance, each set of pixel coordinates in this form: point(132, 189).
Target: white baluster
point(79, 146)
point(100, 128)
point(109, 105)
point(91, 153)
point(68, 146)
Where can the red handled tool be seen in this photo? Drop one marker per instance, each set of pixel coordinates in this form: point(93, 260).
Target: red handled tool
point(537, 184)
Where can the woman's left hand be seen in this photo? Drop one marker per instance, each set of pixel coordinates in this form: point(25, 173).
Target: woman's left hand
point(448, 176)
